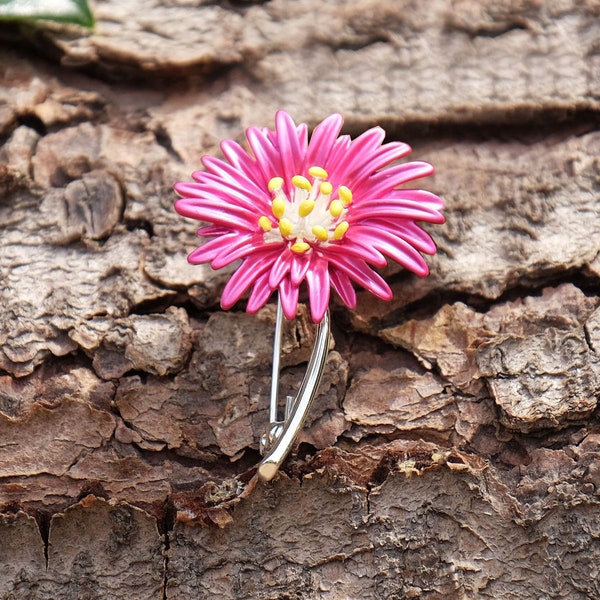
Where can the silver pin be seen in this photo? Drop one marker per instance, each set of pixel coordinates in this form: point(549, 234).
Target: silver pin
point(277, 442)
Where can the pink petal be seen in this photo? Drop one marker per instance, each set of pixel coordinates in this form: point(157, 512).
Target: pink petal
point(385, 208)
point(387, 179)
point(210, 199)
point(358, 153)
point(343, 286)
point(267, 156)
point(270, 135)
point(220, 191)
point(260, 293)
point(407, 230)
point(387, 154)
point(211, 248)
point(246, 274)
point(219, 170)
point(395, 247)
point(348, 247)
point(337, 155)
point(298, 268)
point(186, 188)
point(231, 216)
point(423, 197)
point(360, 272)
point(240, 159)
point(288, 294)
point(281, 267)
point(322, 141)
point(292, 144)
point(222, 169)
point(317, 278)
point(212, 230)
point(236, 249)
point(199, 193)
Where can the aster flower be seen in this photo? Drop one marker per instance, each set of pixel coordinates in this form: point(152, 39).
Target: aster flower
point(324, 211)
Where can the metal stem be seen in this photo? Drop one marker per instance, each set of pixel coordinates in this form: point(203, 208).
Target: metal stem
point(278, 441)
point(273, 411)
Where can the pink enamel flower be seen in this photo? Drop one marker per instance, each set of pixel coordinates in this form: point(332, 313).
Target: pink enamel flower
point(324, 211)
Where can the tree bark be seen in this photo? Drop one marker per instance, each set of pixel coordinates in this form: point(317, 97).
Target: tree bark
point(454, 449)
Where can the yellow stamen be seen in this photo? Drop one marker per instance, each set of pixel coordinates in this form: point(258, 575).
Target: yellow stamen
point(285, 227)
point(345, 195)
point(326, 188)
point(320, 233)
point(265, 223)
point(275, 184)
point(300, 247)
point(318, 172)
point(301, 182)
point(306, 208)
point(340, 230)
point(278, 207)
point(336, 208)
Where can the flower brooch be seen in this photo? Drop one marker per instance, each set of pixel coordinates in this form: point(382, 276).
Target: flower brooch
point(326, 212)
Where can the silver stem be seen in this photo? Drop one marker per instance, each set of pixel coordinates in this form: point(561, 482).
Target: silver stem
point(276, 360)
point(278, 441)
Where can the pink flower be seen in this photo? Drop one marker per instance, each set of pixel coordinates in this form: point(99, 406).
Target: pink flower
point(324, 212)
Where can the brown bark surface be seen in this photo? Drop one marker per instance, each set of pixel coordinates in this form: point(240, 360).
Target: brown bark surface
point(453, 451)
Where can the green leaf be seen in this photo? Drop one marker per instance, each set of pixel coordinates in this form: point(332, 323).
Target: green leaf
point(64, 11)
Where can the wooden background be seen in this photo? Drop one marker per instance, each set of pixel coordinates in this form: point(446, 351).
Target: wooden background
point(454, 449)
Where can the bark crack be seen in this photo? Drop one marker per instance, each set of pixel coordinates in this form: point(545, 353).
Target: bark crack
point(43, 519)
point(167, 525)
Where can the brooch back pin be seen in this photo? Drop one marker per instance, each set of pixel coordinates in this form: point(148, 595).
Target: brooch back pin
point(326, 212)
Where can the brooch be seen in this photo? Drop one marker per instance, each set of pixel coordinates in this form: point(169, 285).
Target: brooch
point(326, 212)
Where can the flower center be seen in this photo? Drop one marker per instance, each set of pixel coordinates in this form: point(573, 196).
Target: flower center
point(311, 216)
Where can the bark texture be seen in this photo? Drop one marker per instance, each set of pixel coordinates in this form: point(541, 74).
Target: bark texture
point(454, 449)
